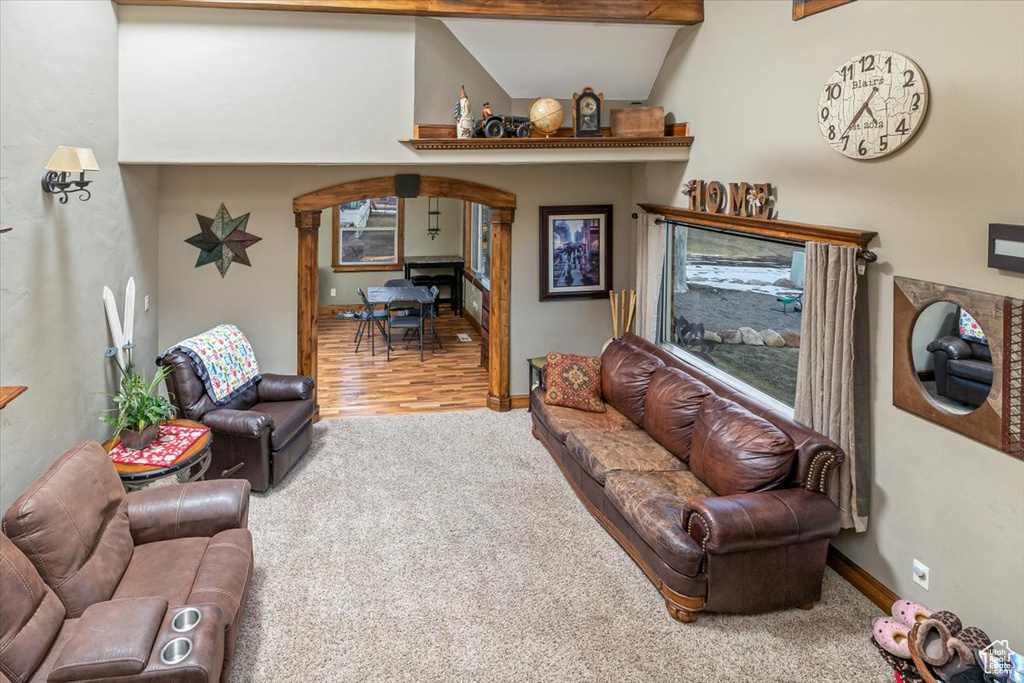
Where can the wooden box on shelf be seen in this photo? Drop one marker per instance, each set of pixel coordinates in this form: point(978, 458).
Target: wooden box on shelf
point(638, 122)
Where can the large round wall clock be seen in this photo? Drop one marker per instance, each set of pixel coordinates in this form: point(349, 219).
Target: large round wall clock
point(872, 104)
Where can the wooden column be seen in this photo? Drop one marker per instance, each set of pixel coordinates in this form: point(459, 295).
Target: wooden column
point(499, 396)
point(308, 223)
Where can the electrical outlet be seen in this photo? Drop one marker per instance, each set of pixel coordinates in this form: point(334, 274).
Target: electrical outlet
point(334, 292)
point(145, 302)
point(921, 574)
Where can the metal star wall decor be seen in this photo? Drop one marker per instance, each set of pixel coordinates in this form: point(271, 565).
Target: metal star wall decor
point(222, 240)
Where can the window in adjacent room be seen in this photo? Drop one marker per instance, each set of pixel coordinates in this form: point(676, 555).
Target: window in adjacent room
point(734, 305)
point(368, 234)
point(479, 242)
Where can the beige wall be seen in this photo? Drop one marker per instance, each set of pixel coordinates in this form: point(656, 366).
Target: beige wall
point(417, 243)
point(233, 86)
point(58, 78)
point(442, 65)
point(261, 299)
point(748, 79)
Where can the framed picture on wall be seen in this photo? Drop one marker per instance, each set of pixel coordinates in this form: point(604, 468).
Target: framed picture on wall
point(575, 252)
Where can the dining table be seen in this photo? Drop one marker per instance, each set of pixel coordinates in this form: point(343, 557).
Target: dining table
point(385, 296)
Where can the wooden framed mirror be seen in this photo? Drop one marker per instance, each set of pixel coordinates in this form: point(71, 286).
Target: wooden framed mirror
point(958, 360)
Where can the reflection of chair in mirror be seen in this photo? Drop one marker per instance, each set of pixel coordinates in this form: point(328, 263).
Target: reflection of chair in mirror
point(963, 363)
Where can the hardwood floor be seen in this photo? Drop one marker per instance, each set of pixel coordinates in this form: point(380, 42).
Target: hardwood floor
point(356, 384)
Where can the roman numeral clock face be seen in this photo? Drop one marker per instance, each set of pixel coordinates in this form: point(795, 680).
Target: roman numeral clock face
point(872, 104)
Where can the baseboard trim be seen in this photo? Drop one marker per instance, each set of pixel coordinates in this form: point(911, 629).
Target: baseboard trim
point(873, 589)
point(331, 310)
point(499, 404)
point(520, 401)
point(472, 321)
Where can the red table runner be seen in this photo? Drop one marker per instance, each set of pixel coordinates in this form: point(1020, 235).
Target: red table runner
point(170, 443)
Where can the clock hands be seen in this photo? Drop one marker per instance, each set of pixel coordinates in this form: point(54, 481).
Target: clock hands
point(860, 112)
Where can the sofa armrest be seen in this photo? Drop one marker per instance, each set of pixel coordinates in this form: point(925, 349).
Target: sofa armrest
point(285, 388)
point(954, 347)
point(246, 423)
point(751, 521)
point(202, 508)
point(113, 639)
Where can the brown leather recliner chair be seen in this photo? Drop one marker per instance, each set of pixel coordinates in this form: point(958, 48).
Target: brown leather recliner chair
point(259, 434)
point(91, 578)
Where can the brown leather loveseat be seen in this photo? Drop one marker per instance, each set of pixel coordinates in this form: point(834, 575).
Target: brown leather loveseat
point(91, 578)
point(721, 500)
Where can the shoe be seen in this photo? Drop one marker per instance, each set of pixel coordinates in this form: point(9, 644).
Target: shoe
point(909, 612)
point(892, 636)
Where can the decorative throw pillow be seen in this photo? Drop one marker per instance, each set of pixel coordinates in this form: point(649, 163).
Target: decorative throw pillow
point(734, 451)
point(574, 382)
point(970, 330)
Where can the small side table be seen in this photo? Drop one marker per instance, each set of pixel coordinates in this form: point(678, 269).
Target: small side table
point(190, 465)
point(537, 366)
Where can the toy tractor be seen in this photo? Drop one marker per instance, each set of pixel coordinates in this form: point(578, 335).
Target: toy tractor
point(503, 126)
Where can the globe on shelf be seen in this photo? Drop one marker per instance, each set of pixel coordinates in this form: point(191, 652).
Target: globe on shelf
point(546, 115)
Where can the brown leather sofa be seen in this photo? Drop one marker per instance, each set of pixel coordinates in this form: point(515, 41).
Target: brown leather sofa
point(259, 434)
point(718, 498)
point(91, 578)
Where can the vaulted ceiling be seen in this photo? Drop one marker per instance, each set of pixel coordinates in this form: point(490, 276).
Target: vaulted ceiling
point(554, 59)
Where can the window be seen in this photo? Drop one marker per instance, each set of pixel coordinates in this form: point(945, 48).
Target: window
point(734, 304)
point(368, 234)
point(479, 242)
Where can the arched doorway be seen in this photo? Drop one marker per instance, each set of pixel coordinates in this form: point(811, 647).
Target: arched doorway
point(307, 210)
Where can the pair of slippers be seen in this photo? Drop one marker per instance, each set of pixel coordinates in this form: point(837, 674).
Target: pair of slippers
point(893, 633)
point(942, 642)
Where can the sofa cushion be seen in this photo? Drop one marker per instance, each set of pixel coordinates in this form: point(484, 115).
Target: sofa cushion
point(599, 452)
point(673, 399)
point(574, 382)
point(72, 523)
point(652, 503)
point(625, 374)
point(560, 420)
point(734, 451)
point(194, 571)
point(289, 418)
point(976, 370)
point(30, 614)
point(164, 569)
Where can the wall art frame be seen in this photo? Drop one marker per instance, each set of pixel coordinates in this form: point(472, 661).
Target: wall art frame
point(998, 422)
point(575, 252)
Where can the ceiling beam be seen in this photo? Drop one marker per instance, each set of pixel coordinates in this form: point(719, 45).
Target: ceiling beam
point(613, 11)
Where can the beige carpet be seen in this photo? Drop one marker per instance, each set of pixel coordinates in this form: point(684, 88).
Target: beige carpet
point(448, 547)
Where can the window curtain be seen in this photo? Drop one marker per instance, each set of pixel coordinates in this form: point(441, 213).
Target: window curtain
point(650, 266)
point(832, 391)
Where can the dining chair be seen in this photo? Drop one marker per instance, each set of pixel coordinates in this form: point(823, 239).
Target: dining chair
point(405, 322)
point(431, 312)
point(370, 316)
point(398, 283)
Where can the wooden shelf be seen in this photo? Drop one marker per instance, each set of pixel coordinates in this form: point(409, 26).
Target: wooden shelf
point(8, 394)
point(566, 148)
point(773, 228)
point(546, 143)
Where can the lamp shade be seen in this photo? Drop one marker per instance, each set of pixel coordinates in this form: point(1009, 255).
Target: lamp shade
point(72, 160)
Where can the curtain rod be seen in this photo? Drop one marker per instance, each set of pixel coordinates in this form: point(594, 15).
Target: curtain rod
point(866, 255)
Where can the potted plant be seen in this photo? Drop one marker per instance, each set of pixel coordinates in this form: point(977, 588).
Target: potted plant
point(140, 408)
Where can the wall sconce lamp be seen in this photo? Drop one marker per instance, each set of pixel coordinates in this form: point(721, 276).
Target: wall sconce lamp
point(433, 217)
point(68, 160)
